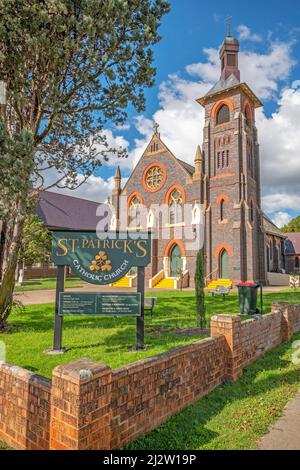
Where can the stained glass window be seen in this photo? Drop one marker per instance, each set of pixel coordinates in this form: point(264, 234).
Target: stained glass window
point(154, 177)
point(134, 213)
point(176, 207)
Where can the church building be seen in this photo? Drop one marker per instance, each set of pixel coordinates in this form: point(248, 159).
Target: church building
point(224, 182)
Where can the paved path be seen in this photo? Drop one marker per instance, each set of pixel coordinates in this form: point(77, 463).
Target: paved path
point(285, 433)
point(48, 296)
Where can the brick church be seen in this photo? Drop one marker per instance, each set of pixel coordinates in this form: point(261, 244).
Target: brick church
point(240, 242)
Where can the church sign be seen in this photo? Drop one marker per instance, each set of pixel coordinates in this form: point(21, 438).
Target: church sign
point(101, 259)
point(94, 303)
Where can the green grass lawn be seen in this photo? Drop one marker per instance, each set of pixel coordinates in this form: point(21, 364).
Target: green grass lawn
point(109, 340)
point(47, 283)
point(235, 415)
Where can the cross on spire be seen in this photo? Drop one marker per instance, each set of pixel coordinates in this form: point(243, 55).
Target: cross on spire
point(228, 21)
point(155, 128)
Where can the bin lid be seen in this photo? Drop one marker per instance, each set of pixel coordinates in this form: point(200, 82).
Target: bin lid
point(247, 284)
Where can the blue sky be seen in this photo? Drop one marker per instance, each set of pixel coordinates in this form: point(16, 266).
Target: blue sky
point(187, 65)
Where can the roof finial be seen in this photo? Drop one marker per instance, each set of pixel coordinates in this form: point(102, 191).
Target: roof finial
point(228, 20)
point(118, 179)
point(198, 163)
point(155, 128)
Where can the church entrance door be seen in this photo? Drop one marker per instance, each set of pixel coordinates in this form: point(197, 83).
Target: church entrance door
point(175, 262)
point(224, 265)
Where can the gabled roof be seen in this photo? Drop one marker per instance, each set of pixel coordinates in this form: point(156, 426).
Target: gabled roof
point(270, 228)
point(292, 244)
point(62, 212)
point(230, 84)
point(188, 169)
point(187, 166)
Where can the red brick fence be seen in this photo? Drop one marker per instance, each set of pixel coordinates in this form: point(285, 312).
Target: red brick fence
point(89, 406)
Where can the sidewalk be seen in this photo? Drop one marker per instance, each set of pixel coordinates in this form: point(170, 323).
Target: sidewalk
point(285, 433)
point(48, 296)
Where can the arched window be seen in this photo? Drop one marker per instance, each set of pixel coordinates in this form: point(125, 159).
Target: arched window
point(223, 114)
point(223, 264)
point(134, 219)
point(222, 207)
point(175, 207)
point(150, 220)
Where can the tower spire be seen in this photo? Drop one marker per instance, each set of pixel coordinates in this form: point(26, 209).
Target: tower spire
point(229, 55)
point(228, 21)
point(198, 161)
point(118, 179)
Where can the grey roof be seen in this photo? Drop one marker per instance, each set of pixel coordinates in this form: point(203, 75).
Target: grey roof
point(271, 228)
point(222, 85)
point(292, 244)
point(187, 166)
point(59, 211)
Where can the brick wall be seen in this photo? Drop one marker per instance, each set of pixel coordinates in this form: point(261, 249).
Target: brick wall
point(24, 408)
point(89, 406)
point(147, 393)
point(261, 335)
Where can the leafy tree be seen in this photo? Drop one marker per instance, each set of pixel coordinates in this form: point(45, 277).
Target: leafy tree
point(36, 241)
point(292, 226)
point(199, 289)
point(71, 67)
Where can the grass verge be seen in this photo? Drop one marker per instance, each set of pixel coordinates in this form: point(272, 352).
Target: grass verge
point(109, 340)
point(236, 415)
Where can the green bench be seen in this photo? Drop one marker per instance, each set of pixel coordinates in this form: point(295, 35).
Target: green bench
point(220, 290)
point(150, 304)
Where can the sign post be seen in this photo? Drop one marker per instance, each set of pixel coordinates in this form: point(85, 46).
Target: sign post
point(100, 259)
point(58, 320)
point(140, 327)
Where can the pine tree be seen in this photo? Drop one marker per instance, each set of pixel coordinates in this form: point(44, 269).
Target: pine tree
point(199, 288)
point(72, 70)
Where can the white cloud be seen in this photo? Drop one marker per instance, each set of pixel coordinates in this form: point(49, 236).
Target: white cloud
point(94, 189)
point(209, 71)
point(262, 72)
point(181, 119)
point(245, 34)
point(281, 219)
point(278, 201)
point(123, 127)
point(118, 142)
point(279, 138)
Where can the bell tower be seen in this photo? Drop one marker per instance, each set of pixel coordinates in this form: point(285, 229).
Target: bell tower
point(234, 237)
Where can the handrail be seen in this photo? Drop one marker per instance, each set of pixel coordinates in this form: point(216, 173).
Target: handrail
point(157, 278)
point(213, 272)
point(209, 275)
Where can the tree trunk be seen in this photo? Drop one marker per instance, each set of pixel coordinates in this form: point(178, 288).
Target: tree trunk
point(7, 239)
point(2, 246)
point(8, 279)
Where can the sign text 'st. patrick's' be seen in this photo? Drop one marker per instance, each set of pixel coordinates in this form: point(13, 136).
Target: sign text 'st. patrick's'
point(100, 259)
